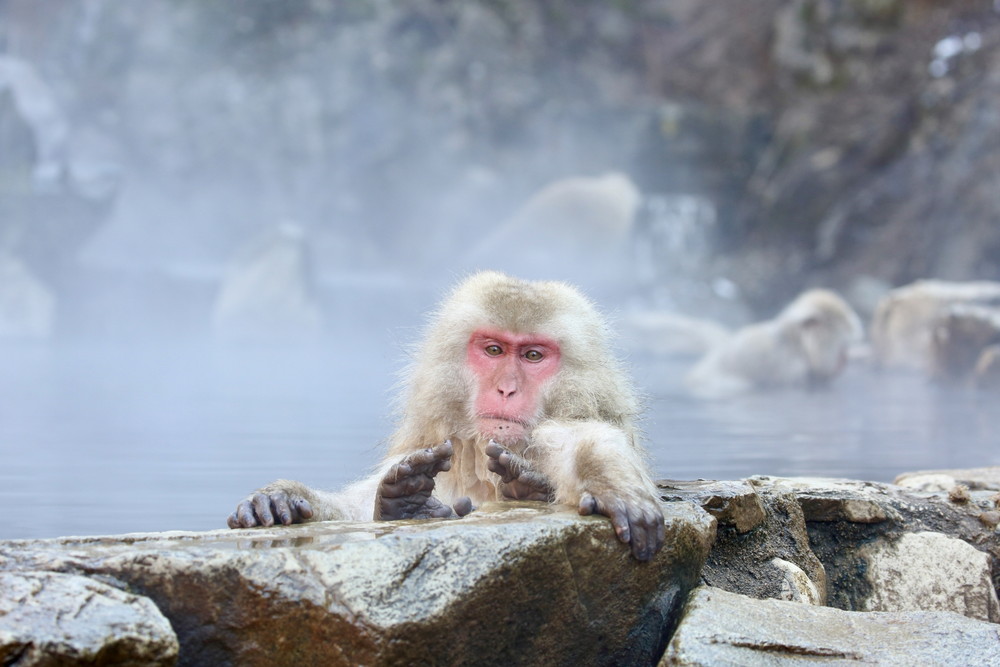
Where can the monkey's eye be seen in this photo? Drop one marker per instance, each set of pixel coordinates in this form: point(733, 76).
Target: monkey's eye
point(494, 350)
point(533, 355)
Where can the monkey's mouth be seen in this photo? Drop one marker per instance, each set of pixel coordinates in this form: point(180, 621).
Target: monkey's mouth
point(501, 428)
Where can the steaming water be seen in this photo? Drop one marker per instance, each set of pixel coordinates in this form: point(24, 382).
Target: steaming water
point(103, 439)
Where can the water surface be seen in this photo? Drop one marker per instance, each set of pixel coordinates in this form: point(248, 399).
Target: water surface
point(103, 438)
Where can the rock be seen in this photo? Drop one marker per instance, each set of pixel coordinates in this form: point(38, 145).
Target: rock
point(847, 522)
point(731, 503)
point(760, 544)
point(833, 502)
point(929, 481)
point(943, 480)
point(928, 570)
point(48, 618)
point(505, 585)
point(722, 628)
point(796, 586)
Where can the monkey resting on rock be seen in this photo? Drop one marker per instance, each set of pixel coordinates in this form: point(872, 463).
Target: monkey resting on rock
point(513, 395)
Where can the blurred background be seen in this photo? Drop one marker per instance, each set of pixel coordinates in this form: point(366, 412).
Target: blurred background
point(221, 223)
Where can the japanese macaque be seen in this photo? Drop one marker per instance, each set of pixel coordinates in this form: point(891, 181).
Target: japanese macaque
point(513, 394)
point(958, 339)
point(672, 334)
point(905, 319)
point(986, 374)
point(806, 345)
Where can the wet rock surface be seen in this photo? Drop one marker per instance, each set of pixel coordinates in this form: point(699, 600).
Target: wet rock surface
point(722, 628)
point(518, 585)
point(943, 480)
point(526, 583)
point(49, 618)
point(857, 545)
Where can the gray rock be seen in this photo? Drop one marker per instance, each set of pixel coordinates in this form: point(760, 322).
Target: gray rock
point(796, 586)
point(857, 529)
point(505, 585)
point(731, 503)
point(48, 618)
point(722, 628)
point(831, 499)
point(927, 570)
point(761, 540)
point(854, 545)
point(943, 480)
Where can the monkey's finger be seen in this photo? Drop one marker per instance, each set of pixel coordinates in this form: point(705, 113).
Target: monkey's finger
point(430, 455)
point(535, 480)
point(232, 521)
point(445, 449)
point(423, 458)
point(616, 511)
point(652, 519)
point(262, 508)
point(463, 506)
point(619, 520)
point(640, 536)
point(494, 466)
point(494, 449)
point(587, 504)
point(661, 530)
point(303, 508)
point(244, 515)
point(518, 466)
point(442, 512)
point(407, 486)
point(281, 509)
point(396, 471)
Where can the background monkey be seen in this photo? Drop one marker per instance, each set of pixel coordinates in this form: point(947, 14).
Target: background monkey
point(806, 345)
point(513, 394)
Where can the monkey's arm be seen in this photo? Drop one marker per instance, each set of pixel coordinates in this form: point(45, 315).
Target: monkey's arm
point(595, 466)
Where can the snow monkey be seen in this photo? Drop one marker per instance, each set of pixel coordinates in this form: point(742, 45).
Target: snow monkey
point(513, 394)
point(806, 345)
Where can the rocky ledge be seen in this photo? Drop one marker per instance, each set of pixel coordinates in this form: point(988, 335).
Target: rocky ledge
point(755, 571)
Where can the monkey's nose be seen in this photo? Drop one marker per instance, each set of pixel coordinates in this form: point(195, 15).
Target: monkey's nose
point(507, 391)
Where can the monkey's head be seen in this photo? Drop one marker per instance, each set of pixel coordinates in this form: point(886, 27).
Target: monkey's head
point(826, 326)
point(503, 354)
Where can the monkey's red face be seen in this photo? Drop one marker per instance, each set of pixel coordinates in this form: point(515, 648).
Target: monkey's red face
point(510, 370)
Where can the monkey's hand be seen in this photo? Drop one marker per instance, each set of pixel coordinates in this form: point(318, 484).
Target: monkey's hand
point(405, 490)
point(282, 500)
point(519, 480)
point(637, 520)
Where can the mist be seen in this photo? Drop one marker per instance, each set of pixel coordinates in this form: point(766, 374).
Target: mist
point(228, 219)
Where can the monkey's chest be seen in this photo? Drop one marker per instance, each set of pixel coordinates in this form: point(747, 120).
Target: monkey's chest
point(468, 476)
